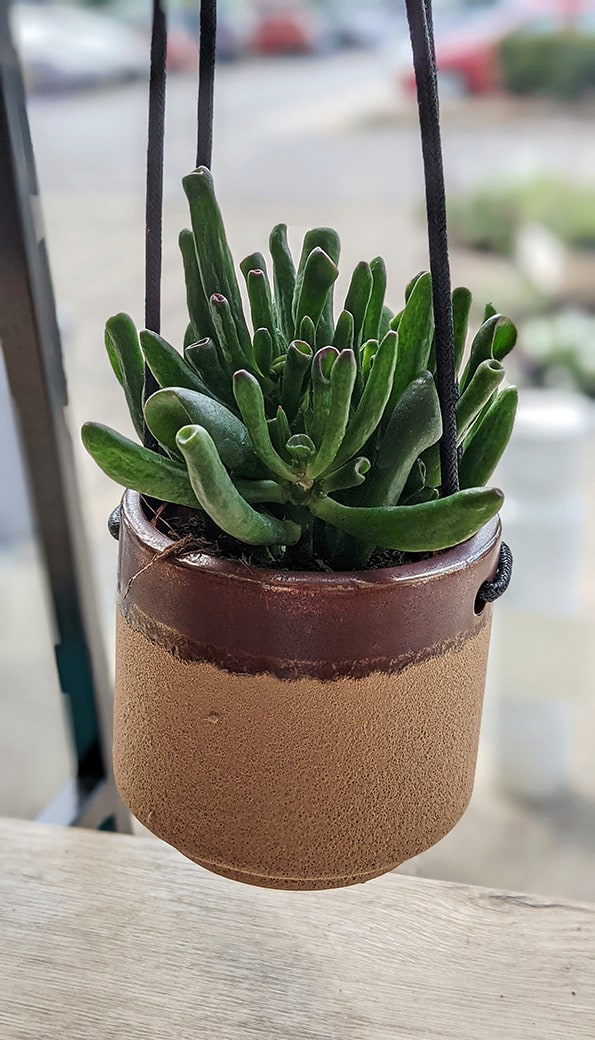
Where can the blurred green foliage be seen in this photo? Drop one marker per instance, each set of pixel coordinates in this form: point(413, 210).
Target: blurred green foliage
point(489, 219)
point(559, 351)
point(561, 65)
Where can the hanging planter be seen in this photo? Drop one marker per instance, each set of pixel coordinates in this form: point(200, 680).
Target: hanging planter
point(298, 730)
point(304, 564)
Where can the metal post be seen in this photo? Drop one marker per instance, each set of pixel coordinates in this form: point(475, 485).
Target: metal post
point(31, 345)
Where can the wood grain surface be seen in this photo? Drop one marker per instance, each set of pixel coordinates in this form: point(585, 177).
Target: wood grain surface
point(105, 936)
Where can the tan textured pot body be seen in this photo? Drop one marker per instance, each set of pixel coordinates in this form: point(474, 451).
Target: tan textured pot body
point(298, 731)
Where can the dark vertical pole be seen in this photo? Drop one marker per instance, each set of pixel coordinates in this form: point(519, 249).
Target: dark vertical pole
point(30, 342)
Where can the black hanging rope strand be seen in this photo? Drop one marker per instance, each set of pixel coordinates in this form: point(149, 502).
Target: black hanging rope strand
point(154, 198)
point(206, 81)
point(490, 591)
point(419, 14)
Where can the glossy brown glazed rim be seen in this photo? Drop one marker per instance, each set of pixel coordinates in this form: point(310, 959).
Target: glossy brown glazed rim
point(295, 623)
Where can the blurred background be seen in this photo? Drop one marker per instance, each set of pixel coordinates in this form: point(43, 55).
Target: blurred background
point(316, 123)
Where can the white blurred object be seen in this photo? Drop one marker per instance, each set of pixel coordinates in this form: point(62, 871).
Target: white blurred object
point(541, 257)
point(62, 46)
point(543, 474)
point(539, 631)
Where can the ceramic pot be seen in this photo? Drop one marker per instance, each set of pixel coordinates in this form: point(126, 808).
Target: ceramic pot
point(298, 730)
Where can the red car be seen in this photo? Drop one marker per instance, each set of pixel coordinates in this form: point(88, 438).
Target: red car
point(289, 27)
point(468, 46)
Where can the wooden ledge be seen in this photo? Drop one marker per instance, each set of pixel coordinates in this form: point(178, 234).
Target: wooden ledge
point(109, 937)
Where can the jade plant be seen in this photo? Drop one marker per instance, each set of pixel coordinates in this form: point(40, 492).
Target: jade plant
point(312, 436)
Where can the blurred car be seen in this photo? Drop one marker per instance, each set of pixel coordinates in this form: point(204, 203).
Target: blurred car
point(468, 42)
point(67, 47)
point(235, 26)
point(361, 23)
point(182, 49)
point(233, 29)
point(291, 27)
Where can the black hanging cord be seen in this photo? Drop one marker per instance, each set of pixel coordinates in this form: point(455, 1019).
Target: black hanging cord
point(206, 81)
point(419, 14)
point(490, 591)
point(154, 200)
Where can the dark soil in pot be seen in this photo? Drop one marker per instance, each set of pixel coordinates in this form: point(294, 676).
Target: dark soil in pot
point(200, 534)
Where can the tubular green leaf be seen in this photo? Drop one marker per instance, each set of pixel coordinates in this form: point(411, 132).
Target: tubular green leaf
point(427, 527)
point(168, 367)
point(227, 332)
point(373, 401)
point(138, 468)
point(352, 474)
point(253, 262)
point(261, 306)
point(416, 331)
point(214, 257)
point(126, 359)
point(250, 400)
point(414, 425)
point(426, 494)
point(299, 360)
point(375, 306)
point(190, 336)
point(283, 278)
point(412, 283)
point(263, 351)
point(343, 336)
point(283, 424)
point(322, 367)
point(461, 307)
point(328, 240)
point(358, 298)
point(342, 381)
point(307, 331)
point(496, 330)
point(196, 299)
point(168, 410)
point(203, 357)
point(505, 339)
point(258, 491)
point(220, 498)
point(484, 450)
point(386, 319)
point(319, 238)
point(301, 448)
point(414, 484)
point(484, 383)
point(319, 274)
point(367, 353)
point(280, 432)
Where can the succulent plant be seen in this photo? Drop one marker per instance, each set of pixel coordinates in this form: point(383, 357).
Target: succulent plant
point(314, 437)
